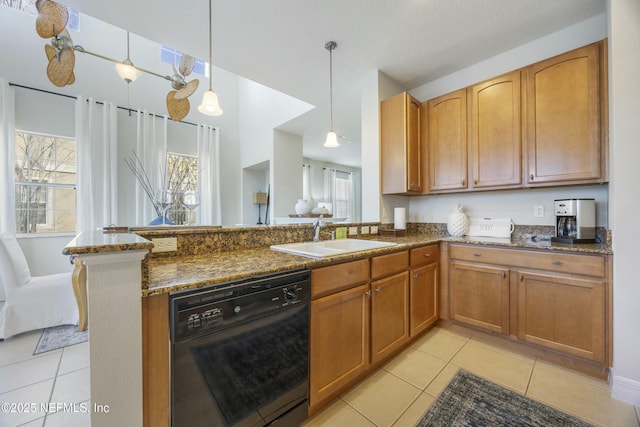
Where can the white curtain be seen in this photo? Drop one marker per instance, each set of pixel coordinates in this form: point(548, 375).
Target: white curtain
point(356, 197)
point(306, 182)
point(97, 164)
point(329, 177)
point(7, 159)
point(7, 163)
point(151, 150)
point(210, 210)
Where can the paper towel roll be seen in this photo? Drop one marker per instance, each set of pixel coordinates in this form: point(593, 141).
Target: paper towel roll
point(400, 218)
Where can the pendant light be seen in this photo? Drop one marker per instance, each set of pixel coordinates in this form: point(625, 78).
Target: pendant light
point(332, 140)
point(125, 69)
point(210, 104)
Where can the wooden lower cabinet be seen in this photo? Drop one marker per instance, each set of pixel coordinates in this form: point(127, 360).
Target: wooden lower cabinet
point(423, 297)
point(338, 342)
point(562, 313)
point(389, 315)
point(553, 299)
point(480, 295)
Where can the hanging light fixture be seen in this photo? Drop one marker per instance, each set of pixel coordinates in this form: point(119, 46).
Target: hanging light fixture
point(332, 139)
point(126, 70)
point(210, 104)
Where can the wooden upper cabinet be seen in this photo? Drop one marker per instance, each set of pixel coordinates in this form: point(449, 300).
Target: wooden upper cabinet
point(447, 142)
point(564, 119)
point(496, 132)
point(401, 150)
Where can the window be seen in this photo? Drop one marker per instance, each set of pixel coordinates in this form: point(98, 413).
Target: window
point(45, 180)
point(172, 56)
point(343, 195)
point(182, 176)
point(29, 7)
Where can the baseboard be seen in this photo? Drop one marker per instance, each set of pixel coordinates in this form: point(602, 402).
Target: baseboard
point(625, 389)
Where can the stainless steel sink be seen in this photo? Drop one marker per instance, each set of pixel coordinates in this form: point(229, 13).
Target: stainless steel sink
point(326, 248)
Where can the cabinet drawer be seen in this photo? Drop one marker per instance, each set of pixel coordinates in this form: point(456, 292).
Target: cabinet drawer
point(385, 265)
point(587, 265)
point(424, 255)
point(325, 280)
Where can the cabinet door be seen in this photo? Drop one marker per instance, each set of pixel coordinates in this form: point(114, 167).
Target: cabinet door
point(562, 313)
point(389, 315)
point(480, 295)
point(414, 166)
point(423, 298)
point(400, 146)
point(496, 132)
point(448, 141)
point(563, 118)
point(338, 342)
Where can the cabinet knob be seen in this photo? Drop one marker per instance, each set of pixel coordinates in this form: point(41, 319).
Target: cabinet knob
point(463, 182)
point(427, 254)
point(415, 276)
point(504, 275)
point(368, 293)
point(531, 177)
point(521, 278)
point(378, 290)
point(475, 182)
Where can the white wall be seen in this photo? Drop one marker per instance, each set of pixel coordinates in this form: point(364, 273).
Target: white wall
point(624, 126)
point(286, 173)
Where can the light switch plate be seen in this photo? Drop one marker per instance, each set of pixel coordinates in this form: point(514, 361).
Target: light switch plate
point(165, 244)
point(353, 231)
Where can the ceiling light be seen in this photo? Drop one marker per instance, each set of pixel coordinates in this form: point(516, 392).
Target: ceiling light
point(210, 104)
point(332, 140)
point(126, 70)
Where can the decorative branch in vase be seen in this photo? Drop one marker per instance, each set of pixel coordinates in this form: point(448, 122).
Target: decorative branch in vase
point(160, 199)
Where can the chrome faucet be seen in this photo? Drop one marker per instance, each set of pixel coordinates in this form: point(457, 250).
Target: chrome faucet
point(316, 229)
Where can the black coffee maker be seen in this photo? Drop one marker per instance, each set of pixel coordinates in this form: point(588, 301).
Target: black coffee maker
point(575, 221)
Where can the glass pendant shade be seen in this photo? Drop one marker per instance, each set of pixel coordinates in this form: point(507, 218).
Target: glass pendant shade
point(210, 104)
point(127, 71)
point(332, 140)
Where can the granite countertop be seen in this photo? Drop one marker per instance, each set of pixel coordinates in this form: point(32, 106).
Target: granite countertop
point(90, 242)
point(182, 273)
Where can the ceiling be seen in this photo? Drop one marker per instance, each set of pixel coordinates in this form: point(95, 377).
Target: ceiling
point(280, 43)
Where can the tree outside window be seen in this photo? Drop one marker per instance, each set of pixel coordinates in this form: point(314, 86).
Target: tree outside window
point(45, 183)
point(182, 175)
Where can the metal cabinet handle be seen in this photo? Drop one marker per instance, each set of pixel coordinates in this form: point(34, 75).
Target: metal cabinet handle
point(521, 278)
point(427, 254)
point(475, 182)
point(531, 177)
point(368, 293)
point(504, 275)
point(378, 290)
point(477, 254)
point(557, 263)
point(415, 276)
point(463, 182)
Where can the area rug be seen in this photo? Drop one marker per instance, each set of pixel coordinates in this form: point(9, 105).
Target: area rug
point(58, 337)
point(469, 400)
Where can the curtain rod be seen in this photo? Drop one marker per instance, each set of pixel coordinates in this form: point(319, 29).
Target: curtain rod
point(130, 110)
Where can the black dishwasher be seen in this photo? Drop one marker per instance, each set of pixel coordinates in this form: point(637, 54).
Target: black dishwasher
point(240, 352)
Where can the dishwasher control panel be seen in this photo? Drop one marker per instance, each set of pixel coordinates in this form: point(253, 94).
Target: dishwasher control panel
point(209, 309)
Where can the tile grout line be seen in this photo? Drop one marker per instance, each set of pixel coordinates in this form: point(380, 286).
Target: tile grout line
point(55, 380)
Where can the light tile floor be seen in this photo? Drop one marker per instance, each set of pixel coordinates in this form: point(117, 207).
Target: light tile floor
point(395, 395)
point(401, 391)
point(46, 390)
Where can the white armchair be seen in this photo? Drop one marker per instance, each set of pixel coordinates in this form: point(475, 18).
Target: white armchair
point(32, 302)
